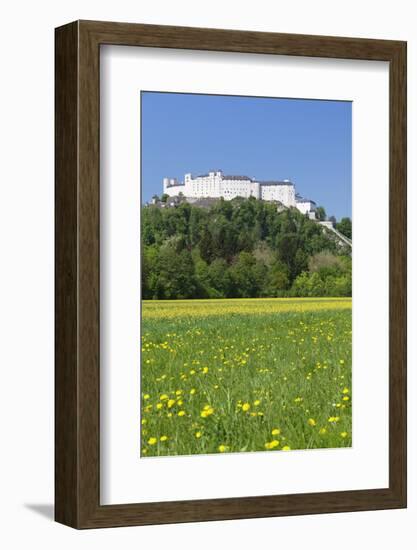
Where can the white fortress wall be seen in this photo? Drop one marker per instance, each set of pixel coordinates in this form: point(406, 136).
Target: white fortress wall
point(215, 185)
point(306, 206)
point(283, 192)
point(234, 187)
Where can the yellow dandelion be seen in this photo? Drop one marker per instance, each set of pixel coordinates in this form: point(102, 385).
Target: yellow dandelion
point(345, 398)
point(171, 403)
point(286, 448)
point(192, 391)
point(245, 407)
point(311, 422)
point(181, 413)
point(163, 438)
point(146, 396)
point(343, 434)
point(272, 444)
point(334, 419)
point(322, 431)
point(163, 397)
point(345, 390)
point(159, 406)
point(256, 402)
point(207, 411)
point(275, 431)
point(223, 448)
point(198, 435)
point(144, 420)
point(152, 440)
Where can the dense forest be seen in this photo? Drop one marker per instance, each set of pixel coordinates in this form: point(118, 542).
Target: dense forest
point(240, 248)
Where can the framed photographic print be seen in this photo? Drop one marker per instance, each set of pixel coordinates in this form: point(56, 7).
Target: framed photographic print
point(230, 274)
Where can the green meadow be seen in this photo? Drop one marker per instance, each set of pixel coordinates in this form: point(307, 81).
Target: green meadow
point(238, 375)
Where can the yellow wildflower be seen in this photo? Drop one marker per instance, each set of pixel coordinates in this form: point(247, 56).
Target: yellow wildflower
point(152, 440)
point(207, 411)
point(245, 407)
point(272, 444)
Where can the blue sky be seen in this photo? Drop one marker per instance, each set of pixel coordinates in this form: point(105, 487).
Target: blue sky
point(306, 141)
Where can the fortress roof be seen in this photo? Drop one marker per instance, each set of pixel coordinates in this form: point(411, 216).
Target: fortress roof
point(237, 178)
point(299, 198)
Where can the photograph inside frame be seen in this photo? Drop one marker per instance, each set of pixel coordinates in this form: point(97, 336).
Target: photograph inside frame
point(246, 266)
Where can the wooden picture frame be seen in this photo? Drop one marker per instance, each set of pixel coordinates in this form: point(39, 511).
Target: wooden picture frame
point(77, 374)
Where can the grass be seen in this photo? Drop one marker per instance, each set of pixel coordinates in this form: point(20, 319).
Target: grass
point(245, 375)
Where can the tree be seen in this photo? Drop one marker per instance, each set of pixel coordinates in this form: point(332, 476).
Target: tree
point(277, 280)
point(206, 247)
point(175, 275)
point(220, 279)
point(320, 213)
point(308, 285)
point(345, 227)
point(239, 248)
point(324, 260)
point(247, 276)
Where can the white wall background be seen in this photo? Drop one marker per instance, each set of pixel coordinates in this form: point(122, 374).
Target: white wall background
point(26, 271)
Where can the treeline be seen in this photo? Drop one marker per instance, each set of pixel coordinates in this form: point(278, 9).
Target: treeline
point(237, 249)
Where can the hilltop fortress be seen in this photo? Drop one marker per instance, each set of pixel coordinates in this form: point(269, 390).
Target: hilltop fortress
point(217, 185)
